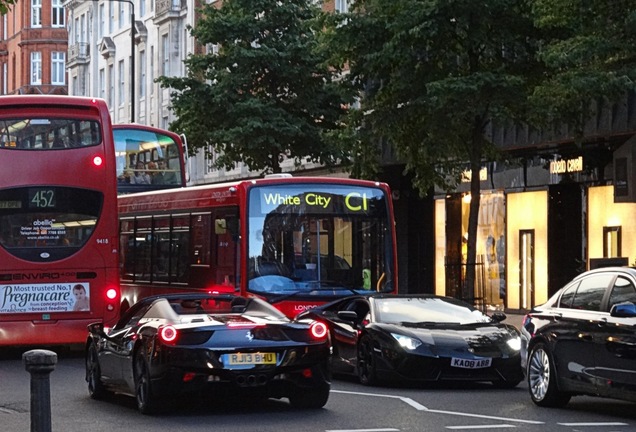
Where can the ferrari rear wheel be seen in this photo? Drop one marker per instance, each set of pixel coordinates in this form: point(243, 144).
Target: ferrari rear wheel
point(143, 391)
point(542, 379)
point(96, 388)
point(366, 362)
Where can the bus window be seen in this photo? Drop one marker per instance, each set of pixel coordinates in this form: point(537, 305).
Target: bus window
point(47, 223)
point(158, 151)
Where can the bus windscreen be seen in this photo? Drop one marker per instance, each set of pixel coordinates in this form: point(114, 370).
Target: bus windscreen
point(319, 239)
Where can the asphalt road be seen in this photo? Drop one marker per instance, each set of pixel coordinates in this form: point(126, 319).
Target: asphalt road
point(351, 408)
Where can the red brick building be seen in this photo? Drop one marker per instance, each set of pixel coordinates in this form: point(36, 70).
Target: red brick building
point(33, 48)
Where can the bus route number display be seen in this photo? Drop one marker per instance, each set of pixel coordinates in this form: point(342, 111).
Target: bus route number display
point(41, 198)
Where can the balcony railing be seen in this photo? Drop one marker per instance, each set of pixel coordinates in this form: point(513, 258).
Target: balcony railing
point(79, 52)
point(168, 8)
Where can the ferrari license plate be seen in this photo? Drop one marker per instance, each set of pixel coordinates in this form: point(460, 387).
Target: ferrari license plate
point(471, 364)
point(250, 359)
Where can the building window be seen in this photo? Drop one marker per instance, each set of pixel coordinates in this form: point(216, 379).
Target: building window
point(36, 13)
point(152, 70)
point(57, 14)
point(120, 72)
point(58, 63)
point(342, 6)
point(122, 17)
point(142, 73)
point(111, 12)
point(36, 68)
point(102, 21)
point(142, 8)
point(210, 160)
point(111, 85)
point(102, 84)
point(612, 242)
point(165, 48)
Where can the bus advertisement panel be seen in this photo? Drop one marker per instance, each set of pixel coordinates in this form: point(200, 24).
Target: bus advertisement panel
point(58, 220)
point(147, 158)
point(296, 241)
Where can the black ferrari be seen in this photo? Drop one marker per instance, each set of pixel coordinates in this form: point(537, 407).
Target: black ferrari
point(166, 346)
point(384, 338)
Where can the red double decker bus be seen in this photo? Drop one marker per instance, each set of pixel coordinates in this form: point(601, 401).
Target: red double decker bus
point(58, 219)
point(296, 241)
point(148, 158)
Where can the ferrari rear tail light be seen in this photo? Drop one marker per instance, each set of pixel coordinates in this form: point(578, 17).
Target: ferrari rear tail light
point(168, 334)
point(318, 330)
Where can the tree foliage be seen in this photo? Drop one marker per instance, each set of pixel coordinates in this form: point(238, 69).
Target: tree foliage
point(434, 74)
point(5, 6)
point(590, 55)
point(268, 93)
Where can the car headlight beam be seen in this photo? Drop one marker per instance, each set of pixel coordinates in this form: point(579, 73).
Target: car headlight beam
point(406, 342)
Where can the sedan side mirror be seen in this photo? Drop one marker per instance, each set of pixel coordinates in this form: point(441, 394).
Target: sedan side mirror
point(623, 310)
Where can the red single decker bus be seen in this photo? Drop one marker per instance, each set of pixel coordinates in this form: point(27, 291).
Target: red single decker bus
point(297, 242)
point(58, 219)
point(147, 158)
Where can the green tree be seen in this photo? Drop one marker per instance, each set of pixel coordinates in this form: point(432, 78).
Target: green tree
point(590, 55)
point(5, 6)
point(268, 92)
point(434, 74)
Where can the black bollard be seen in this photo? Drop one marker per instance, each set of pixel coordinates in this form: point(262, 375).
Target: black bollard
point(40, 363)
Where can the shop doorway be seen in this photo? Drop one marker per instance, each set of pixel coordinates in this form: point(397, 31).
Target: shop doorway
point(565, 235)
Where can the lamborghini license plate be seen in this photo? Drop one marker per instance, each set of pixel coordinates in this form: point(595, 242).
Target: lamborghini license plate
point(471, 363)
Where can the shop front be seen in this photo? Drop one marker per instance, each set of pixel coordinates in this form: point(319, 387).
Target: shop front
point(541, 222)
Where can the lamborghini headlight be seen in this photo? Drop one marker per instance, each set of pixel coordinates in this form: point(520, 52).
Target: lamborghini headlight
point(406, 342)
point(514, 343)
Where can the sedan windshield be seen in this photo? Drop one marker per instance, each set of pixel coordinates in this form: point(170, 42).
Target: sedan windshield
point(426, 311)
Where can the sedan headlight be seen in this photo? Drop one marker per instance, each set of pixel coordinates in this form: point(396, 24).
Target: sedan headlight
point(514, 343)
point(406, 342)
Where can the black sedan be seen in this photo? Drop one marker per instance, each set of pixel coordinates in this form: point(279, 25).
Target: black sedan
point(164, 346)
point(583, 339)
point(381, 338)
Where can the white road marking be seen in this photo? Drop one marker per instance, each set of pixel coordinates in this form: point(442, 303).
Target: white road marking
point(363, 430)
point(421, 407)
point(472, 427)
point(8, 410)
point(594, 424)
